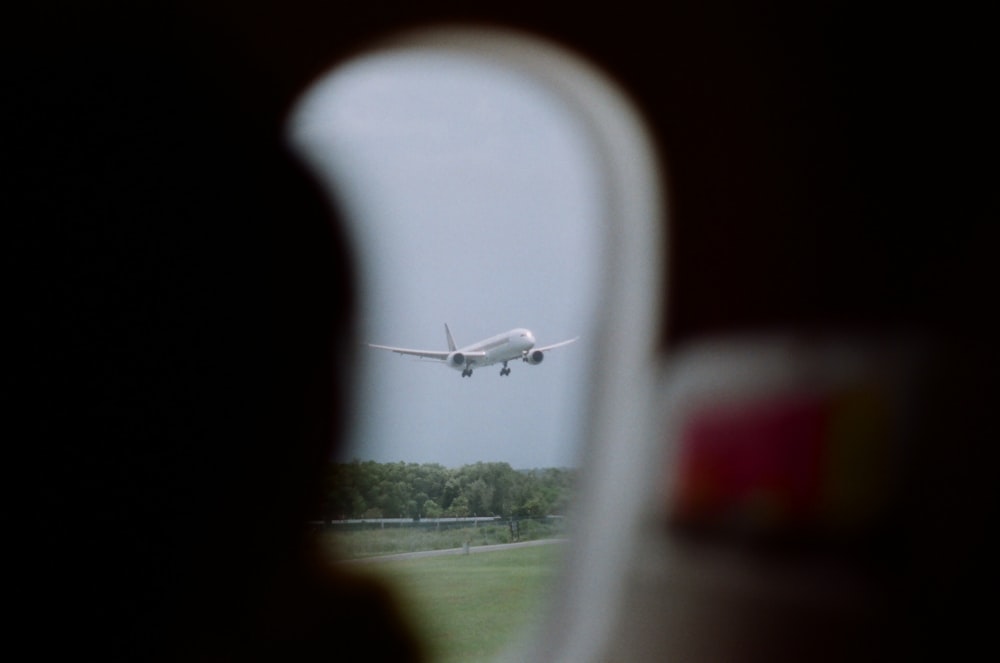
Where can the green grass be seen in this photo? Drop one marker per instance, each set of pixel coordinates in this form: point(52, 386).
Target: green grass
point(471, 607)
point(351, 544)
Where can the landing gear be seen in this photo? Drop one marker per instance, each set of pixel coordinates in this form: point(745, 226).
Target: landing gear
point(467, 373)
point(504, 370)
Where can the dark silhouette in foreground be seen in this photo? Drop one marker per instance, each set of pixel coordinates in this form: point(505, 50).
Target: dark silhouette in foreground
point(184, 284)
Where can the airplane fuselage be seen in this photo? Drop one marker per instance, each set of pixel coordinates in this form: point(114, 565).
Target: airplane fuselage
point(508, 346)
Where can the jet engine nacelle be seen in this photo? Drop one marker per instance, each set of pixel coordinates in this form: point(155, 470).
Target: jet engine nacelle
point(534, 357)
point(456, 360)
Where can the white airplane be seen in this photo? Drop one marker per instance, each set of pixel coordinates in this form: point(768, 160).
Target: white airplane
point(502, 348)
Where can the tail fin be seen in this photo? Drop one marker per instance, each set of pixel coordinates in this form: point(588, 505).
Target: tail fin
point(451, 341)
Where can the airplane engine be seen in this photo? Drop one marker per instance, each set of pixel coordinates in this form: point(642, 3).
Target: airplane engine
point(456, 360)
point(534, 357)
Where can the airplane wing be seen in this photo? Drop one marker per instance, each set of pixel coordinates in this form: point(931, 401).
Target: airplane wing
point(555, 345)
point(427, 354)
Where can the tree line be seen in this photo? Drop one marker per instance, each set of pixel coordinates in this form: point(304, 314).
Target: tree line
point(370, 489)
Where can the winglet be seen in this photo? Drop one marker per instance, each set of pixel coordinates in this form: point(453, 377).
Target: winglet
point(451, 341)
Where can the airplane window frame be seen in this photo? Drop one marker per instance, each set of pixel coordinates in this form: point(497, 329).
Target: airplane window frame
point(618, 460)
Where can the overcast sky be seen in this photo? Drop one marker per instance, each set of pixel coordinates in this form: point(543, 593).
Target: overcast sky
point(472, 199)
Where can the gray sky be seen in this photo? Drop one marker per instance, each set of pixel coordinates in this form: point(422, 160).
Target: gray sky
point(472, 199)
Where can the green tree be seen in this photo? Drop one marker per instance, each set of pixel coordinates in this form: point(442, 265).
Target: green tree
point(459, 507)
point(431, 509)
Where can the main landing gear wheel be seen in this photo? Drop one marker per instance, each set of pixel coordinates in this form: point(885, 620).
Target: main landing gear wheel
point(504, 370)
point(467, 373)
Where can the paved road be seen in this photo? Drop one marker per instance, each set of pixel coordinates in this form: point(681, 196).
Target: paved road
point(451, 551)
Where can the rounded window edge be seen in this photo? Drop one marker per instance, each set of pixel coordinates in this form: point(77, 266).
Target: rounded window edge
point(619, 455)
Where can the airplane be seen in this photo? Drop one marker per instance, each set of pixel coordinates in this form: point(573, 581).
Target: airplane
point(502, 348)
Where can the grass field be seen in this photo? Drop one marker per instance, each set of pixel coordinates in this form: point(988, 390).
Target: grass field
point(351, 544)
point(471, 607)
